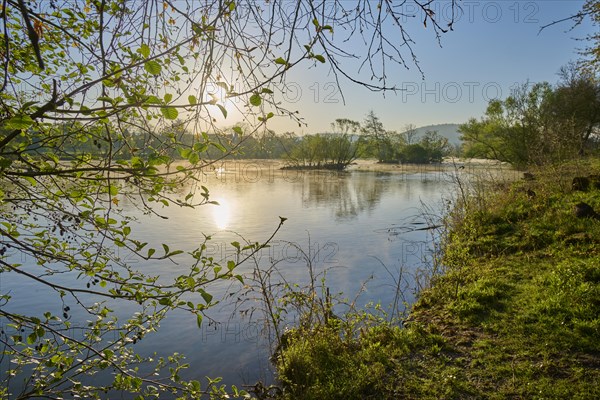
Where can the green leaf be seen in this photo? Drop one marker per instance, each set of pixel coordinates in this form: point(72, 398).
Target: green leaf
point(165, 301)
point(280, 61)
point(105, 98)
point(199, 320)
point(31, 338)
point(184, 153)
point(18, 122)
point(193, 158)
point(144, 50)
point(238, 130)
point(200, 147)
point(219, 146)
point(5, 163)
point(153, 67)
point(255, 100)
point(152, 100)
point(223, 110)
point(320, 58)
point(169, 112)
point(206, 296)
point(28, 104)
point(231, 265)
point(168, 97)
point(192, 99)
point(150, 252)
point(113, 190)
point(267, 91)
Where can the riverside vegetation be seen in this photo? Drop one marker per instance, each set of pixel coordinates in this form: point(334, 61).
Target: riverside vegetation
point(96, 100)
point(514, 315)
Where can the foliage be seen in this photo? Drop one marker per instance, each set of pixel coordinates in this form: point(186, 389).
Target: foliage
point(267, 146)
point(334, 150)
point(575, 106)
point(431, 148)
point(98, 99)
point(376, 142)
point(392, 147)
point(538, 123)
point(329, 363)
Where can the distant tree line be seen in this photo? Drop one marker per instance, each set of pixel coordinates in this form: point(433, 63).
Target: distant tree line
point(344, 143)
point(347, 141)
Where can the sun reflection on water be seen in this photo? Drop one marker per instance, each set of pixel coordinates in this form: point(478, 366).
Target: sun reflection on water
point(221, 213)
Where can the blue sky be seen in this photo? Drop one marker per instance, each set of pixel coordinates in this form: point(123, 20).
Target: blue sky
point(494, 45)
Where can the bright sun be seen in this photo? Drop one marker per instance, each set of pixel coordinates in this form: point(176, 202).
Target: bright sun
point(218, 94)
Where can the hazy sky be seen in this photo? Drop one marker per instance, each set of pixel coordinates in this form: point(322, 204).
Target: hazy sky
point(494, 45)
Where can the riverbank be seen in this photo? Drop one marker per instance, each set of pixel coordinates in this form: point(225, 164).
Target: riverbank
point(516, 313)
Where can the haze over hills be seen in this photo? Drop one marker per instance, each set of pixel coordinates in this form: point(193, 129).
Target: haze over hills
point(449, 131)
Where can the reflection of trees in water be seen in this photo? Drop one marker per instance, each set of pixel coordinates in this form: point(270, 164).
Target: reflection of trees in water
point(346, 193)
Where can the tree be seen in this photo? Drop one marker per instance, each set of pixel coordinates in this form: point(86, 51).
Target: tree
point(345, 126)
point(437, 146)
point(432, 148)
point(538, 123)
point(335, 150)
point(414, 154)
point(575, 103)
point(376, 141)
point(410, 134)
point(515, 130)
point(88, 94)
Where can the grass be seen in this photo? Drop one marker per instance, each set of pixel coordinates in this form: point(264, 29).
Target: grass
point(515, 316)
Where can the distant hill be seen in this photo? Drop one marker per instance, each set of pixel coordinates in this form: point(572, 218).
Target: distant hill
point(449, 131)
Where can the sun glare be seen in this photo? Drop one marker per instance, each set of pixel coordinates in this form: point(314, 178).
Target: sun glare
point(221, 213)
point(218, 95)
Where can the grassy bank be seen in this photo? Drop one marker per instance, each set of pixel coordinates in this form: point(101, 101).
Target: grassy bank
point(516, 314)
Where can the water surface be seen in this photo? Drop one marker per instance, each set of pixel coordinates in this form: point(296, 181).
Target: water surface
point(360, 227)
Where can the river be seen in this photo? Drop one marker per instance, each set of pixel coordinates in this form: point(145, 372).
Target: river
point(365, 228)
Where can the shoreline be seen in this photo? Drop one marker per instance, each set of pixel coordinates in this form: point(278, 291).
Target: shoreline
point(449, 164)
point(514, 313)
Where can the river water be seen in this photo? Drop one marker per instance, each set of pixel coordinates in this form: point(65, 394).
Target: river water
point(363, 227)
